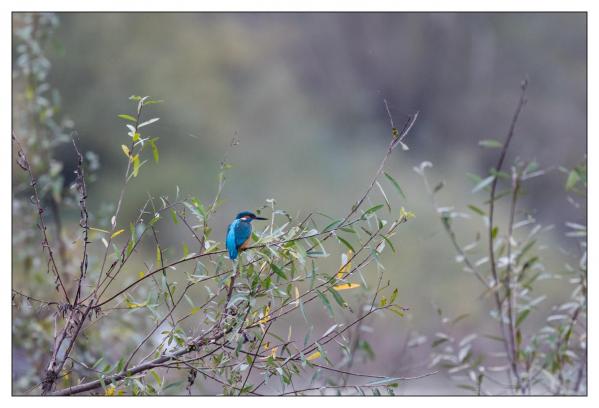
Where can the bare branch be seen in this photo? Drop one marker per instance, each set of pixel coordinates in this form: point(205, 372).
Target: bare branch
point(82, 190)
point(498, 167)
point(24, 164)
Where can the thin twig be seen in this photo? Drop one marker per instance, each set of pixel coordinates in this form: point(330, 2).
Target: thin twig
point(255, 356)
point(324, 387)
point(157, 326)
point(24, 164)
point(498, 167)
point(82, 189)
point(168, 287)
point(509, 292)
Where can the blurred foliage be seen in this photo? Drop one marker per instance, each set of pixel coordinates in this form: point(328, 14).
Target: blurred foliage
point(293, 102)
point(551, 358)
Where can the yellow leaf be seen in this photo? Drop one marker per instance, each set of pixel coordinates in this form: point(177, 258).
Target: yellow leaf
point(126, 150)
point(135, 165)
point(273, 351)
point(99, 230)
point(116, 234)
point(406, 214)
point(109, 390)
point(313, 356)
point(345, 264)
point(345, 286)
point(141, 274)
point(265, 316)
point(297, 296)
point(133, 305)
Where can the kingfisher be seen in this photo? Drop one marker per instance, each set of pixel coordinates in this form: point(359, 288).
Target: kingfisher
point(239, 233)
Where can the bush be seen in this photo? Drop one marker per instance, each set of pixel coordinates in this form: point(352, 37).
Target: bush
point(117, 306)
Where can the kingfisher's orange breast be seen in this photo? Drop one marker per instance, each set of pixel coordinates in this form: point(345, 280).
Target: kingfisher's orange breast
point(245, 245)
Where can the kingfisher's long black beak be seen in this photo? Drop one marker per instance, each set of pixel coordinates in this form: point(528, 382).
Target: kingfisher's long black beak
point(260, 218)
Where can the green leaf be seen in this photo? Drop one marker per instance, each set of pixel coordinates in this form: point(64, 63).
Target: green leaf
point(494, 232)
point(133, 232)
point(176, 383)
point(372, 210)
point(174, 216)
point(98, 362)
point(326, 302)
point(396, 184)
point(347, 244)
point(194, 210)
point(438, 341)
point(388, 241)
point(526, 248)
point(397, 311)
point(127, 117)
point(474, 177)
point(278, 271)
point(484, 183)
point(494, 337)
point(266, 283)
point(332, 225)
point(156, 377)
point(490, 143)
point(532, 166)
point(573, 178)
point(154, 219)
point(385, 381)
point(340, 301)
point(393, 295)
point(198, 204)
point(500, 174)
point(158, 256)
point(522, 316)
point(459, 318)
point(477, 210)
point(154, 149)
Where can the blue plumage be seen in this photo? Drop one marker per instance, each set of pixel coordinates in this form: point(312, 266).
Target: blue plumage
point(239, 232)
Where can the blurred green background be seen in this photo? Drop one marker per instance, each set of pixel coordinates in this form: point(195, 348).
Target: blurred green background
point(304, 95)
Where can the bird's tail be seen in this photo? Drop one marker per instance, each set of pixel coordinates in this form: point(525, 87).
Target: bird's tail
point(232, 283)
point(233, 252)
